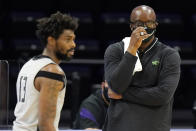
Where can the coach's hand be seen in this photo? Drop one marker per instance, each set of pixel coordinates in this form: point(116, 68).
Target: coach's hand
point(113, 95)
point(137, 36)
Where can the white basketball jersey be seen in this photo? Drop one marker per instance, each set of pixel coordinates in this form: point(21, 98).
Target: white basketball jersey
point(26, 110)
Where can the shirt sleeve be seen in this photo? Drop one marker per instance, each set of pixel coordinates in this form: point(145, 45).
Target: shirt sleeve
point(86, 118)
point(164, 91)
point(118, 68)
point(87, 123)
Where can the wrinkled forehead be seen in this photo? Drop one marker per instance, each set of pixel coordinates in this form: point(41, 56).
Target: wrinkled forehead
point(143, 13)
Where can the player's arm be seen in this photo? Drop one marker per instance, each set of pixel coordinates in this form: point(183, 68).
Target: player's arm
point(49, 89)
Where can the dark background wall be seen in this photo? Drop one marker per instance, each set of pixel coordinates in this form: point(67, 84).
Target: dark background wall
point(102, 22)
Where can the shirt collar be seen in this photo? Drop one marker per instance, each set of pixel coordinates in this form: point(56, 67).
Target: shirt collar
point(149, 47)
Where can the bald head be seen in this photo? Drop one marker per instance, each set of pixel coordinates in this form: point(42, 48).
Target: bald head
point(143, 13)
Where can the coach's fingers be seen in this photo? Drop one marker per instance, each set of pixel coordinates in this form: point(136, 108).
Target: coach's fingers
point(113, 95)
point(144, 35)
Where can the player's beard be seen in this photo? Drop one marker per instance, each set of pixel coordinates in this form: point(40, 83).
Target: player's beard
point(62, 56)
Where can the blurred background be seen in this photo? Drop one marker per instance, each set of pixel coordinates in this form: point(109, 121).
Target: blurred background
point(101, 22)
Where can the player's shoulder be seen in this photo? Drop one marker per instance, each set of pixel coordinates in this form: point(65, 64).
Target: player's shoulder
point(54, 68)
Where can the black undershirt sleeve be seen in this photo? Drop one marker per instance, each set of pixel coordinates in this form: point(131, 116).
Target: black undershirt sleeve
point(51, 75)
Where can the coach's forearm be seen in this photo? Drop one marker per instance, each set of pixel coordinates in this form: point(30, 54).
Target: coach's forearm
point(119, 75)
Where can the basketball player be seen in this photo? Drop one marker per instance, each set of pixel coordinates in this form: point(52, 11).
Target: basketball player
point(93, 110)
point(41, 83)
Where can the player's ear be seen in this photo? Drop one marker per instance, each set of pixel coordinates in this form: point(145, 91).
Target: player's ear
point(51, 41)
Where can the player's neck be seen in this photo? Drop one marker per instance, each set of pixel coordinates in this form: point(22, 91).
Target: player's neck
point(51, 54)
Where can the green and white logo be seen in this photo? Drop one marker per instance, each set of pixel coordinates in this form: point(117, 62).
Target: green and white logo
point(155, 63)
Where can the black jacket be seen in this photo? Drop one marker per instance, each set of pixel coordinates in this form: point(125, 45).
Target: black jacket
point(92, 112)
point(147, 95)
